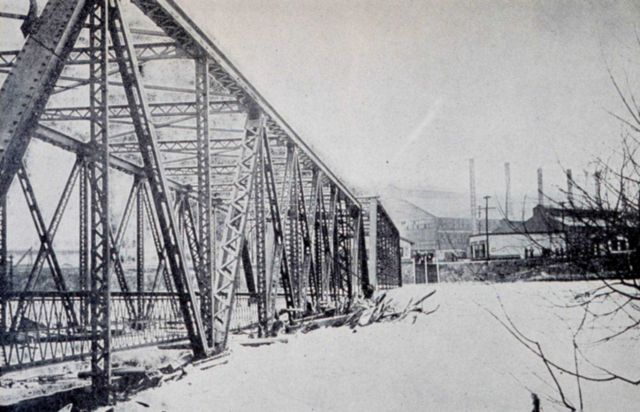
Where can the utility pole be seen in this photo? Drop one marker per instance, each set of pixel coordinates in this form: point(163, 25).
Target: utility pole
point(507, 191)
point(486, 224)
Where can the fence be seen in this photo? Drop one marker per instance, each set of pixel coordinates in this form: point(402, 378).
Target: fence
point(41, 332)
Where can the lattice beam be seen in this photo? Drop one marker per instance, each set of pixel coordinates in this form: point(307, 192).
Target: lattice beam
point(233, 236)
point(123, 111)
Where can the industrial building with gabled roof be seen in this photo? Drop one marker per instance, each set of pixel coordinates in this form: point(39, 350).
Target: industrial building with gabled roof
point(550, 231)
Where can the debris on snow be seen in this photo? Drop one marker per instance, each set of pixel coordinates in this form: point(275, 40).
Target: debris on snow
point(367, 312)
point(262, 341)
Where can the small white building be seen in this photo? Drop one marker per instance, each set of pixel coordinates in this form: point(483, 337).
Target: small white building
point(538, 236)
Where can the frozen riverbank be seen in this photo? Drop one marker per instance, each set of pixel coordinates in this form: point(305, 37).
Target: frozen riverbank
point(459, 358)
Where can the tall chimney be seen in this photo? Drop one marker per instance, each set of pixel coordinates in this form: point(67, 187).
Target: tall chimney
point(598, 181)
point(472, 196)
point(540, 188)
point(507, 193)
point(569, 187)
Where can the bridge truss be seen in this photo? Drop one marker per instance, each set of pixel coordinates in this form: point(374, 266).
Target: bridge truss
point(236, 221)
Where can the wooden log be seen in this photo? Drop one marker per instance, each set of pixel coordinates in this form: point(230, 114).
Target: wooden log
point(224, 362)
point(212, 358)
point(263, 341)
point(175, 346)
point(332, 321)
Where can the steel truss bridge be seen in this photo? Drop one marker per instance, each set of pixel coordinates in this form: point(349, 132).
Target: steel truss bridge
point(230, 219)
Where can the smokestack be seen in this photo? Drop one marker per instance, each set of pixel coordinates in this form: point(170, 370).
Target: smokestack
point(598, 181)
point(569, 187)
point(507, 194)
point(540, 188)
point(472, 195)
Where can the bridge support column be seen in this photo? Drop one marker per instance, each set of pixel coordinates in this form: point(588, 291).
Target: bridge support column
point(100, 222)
point(205, 227)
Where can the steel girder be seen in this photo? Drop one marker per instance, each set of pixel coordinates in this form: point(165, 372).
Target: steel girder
point(122, 111)
point(82, 55)
point(186, 146)
point(101, 253)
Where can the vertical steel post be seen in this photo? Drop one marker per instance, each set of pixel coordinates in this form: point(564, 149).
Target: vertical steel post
point(347, 238)
point(356, 217)
point(305, 222)
point(83, 242)
point(335, 263)
point(293, 231)
point(327, 244)
point(140, 245)
point(3, 266)
point(205, 227)
point(318, 248)
point(100, 224)
point(317, 234)
point(365, 281)
point(373, 241)
point(261, 260)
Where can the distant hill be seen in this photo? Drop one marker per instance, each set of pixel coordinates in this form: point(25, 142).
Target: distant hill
point(404, 203)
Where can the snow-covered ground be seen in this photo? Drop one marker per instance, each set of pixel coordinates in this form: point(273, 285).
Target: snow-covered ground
point(459, 358)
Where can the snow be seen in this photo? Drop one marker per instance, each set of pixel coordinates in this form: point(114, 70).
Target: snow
point(32, 383)
point(459, 358)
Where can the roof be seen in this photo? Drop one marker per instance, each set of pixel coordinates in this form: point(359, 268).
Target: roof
point(436, 202)
point(403, 210)
point(544, 220)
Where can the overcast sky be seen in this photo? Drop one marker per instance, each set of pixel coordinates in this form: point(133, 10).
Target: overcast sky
point(404, 92)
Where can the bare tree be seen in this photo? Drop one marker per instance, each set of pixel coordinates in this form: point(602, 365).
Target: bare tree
point(598, 224)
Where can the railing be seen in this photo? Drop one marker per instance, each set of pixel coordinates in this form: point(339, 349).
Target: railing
point(43, 335)
point(245, 311)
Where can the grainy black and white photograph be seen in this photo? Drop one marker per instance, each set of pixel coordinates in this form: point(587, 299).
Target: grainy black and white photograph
point(319, 205)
